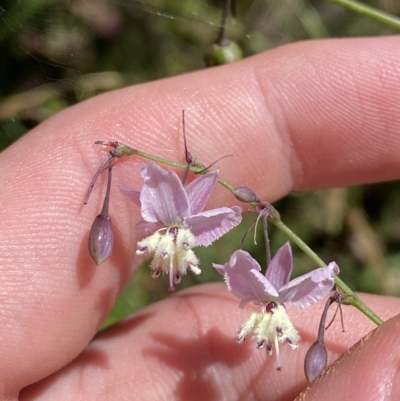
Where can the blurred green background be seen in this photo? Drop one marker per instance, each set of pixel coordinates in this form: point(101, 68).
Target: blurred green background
point(55, 53)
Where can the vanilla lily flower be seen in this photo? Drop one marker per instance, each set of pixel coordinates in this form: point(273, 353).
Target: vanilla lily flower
point(174, 217)
point(272, 325)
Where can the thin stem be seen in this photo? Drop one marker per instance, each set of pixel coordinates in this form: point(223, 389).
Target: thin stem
point(122, 150)
point(370, 12)
point(106, 204)
point(266, 238)
point(98, 172)
point(225, 11)
point(321, 327)
point(355, 301)
point(339, 308)
point(195, 169)
point(254, 224)
point(188, 156)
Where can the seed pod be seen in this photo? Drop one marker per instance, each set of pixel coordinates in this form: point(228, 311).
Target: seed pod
point(224, 53)
point(101, 239)
point(315, 361)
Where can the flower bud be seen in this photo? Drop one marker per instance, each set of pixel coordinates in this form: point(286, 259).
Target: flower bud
point(224, 53)
point(101, 238)
point(315, 361)
point(244, 194)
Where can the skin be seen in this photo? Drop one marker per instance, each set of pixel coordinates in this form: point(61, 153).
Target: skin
point(304, 116)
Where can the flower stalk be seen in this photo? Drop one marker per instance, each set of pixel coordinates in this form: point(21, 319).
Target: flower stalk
point(368, 11)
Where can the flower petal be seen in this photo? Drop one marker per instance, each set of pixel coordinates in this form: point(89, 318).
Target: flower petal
point(220, 268)
point(281, 266)
point(200, 190)
point(147, 228)
point(243, 278)
point(309, 288)
point(163, 197)
point(210, 225)
point(131, 194)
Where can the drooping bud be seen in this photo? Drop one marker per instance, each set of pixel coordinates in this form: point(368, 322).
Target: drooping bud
point(101, 239)
point(245, 194)
point(315, 361)
point(101, 236)
point(317, 356)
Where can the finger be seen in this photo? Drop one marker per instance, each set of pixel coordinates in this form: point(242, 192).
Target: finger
point(47, 274)
point(184, 347)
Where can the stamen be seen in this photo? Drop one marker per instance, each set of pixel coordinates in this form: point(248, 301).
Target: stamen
point(156, 273)
point(172, 253)
point(269, 349)
point(194, 269)
point(171, 274)
point(177, 278)
point(278, 357)
point(270, 306)
point(241, 338)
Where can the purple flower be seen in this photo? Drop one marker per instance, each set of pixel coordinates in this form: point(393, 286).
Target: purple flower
point(174, 217)
point(272, 326)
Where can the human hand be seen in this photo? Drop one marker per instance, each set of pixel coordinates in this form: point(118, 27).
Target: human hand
point(304, 116)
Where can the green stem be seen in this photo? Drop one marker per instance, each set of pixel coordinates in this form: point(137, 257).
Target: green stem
point(274, 216)
point(355, 301)
point(195, 169)
point(370, 12)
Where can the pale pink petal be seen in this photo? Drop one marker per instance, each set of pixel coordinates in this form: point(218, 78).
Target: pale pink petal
point(212, 224)
point(200, 190)
point(305, 290)
point(280, 268)
point(219, 268)
point(243, 278)
point(131, 194)
point(147, 227)
point(162, 197)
